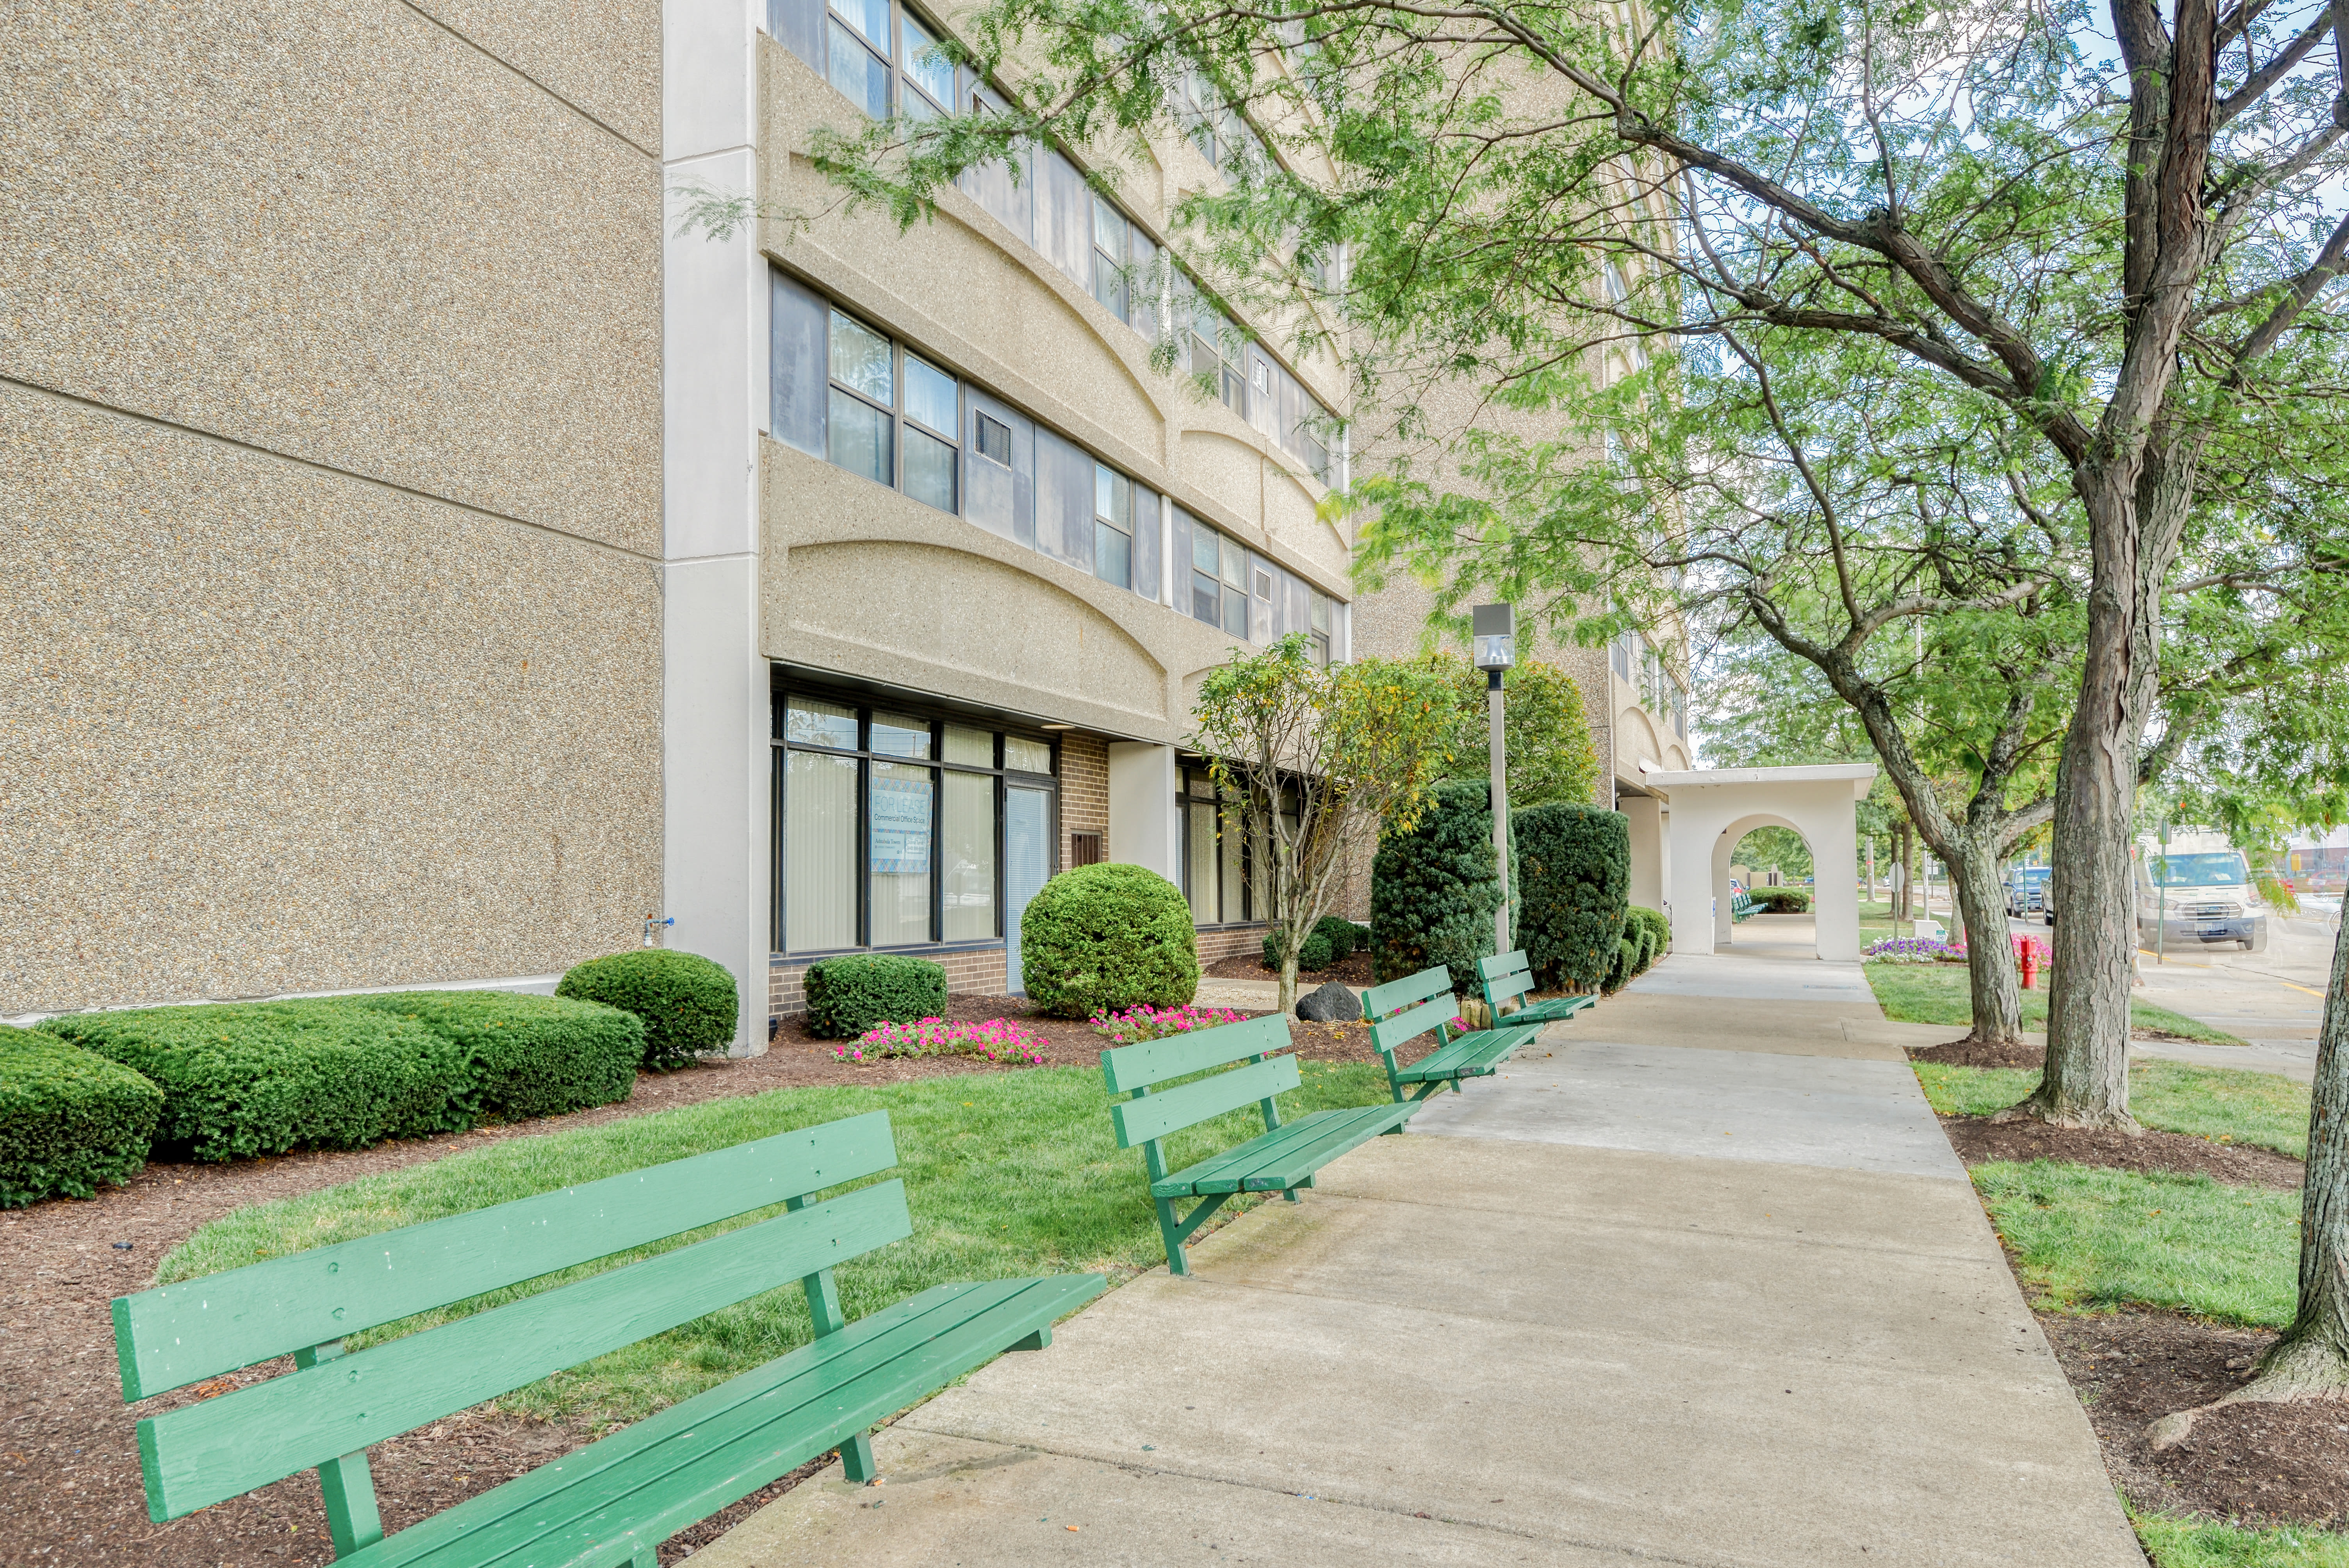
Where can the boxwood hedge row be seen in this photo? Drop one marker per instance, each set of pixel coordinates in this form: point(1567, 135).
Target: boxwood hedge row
point(71, 1119)
point(527, 1055)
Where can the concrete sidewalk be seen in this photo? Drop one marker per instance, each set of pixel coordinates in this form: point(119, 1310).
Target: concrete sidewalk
point(1698, 1281)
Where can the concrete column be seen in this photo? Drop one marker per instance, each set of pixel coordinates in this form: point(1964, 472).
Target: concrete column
point(1646, 815)
point(716, 779)
point(1834, 892)
point(1724, 910)
point(1144, 830)
point(1690, 879)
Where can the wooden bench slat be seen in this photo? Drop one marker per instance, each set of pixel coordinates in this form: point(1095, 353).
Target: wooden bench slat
point(685, 1463)
point(1471, 1055)
point(1389, 1033)
point(1554, 1010)
point(206, 1452)
point(1153, 1062)
point(1342, 1130)
point(1428, 984)
point(1170, 1110)
point(1225, 1172)
point(181, 1334)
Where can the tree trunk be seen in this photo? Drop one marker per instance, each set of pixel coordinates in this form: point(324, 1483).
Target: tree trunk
point(1990, 957)
point(1289, 982)
point(1900, 875)
point(2311, 1360)
point(2086, 1080)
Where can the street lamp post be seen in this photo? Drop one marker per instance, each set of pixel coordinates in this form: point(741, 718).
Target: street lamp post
point(1495, 631)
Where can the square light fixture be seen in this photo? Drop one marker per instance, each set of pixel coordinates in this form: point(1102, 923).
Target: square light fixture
point(1496, 630)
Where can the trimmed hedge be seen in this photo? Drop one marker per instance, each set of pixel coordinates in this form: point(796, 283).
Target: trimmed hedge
point(1316, 953)
point(1107, 937)
point(846, 996)
point(1433, 889)
point(1658, 931)
point(1576, 892)
point(1625, 968)
point(1781, 899)
point(527, 1055)
point(260, 1077)
point(1344, 937)
point(69, 1120)
point(685, 1002)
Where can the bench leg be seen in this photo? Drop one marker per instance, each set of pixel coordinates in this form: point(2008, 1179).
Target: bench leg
point(1039, 1340)
point(856, 1458)
point(1172, 1233)
point(647, 1555)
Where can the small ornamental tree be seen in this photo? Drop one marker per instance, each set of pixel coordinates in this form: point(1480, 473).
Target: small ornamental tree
point(1550, 754)
point(1318, 757)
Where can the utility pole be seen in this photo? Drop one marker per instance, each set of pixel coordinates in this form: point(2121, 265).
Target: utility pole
point(1496, 632)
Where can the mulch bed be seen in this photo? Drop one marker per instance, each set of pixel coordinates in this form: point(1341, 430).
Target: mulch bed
point(1967, 1052)
point(2254, 1464)
point(1979, 1139)
point(69, 1478)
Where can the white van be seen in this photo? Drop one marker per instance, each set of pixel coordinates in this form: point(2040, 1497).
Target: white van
point(2195, 892)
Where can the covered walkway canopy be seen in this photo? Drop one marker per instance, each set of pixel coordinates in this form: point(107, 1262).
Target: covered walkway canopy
point(1705, 811)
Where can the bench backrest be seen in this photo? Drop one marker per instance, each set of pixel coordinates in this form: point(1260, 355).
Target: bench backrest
point(325, 1412)
point(1403, 1010)
point(1153, 1112)
point(1504, 979)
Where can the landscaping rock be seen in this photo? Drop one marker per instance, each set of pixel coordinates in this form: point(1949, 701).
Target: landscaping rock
point(1329, 1004)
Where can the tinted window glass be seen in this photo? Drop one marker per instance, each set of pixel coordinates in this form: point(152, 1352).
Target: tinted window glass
point(860, 358)
point(812, 723)
point(895, 735)
point(930, 71)
point(859, 439)
point(859, 73)
point(1024, 755)
point(930, 395)
point(929, 471)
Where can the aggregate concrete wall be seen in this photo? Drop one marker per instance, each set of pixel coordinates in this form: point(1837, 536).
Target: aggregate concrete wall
point(330, 466)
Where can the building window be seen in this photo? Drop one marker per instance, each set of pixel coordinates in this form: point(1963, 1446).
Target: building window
point(853, 43)
point(889, 825)
point(1214, 853)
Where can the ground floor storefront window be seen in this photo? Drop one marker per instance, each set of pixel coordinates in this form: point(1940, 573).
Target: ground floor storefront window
point(898, 829)
point(1224, 866)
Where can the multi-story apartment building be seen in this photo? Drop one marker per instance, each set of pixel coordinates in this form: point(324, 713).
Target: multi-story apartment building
point(429, 562)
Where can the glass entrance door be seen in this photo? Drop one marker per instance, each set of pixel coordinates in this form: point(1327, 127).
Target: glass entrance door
point(1027, 863)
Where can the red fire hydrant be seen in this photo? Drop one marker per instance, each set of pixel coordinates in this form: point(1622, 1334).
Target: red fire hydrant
point(2030, 956)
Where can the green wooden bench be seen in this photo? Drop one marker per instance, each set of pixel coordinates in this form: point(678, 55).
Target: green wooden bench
point(1509, 977)
point(1741, 906)
point(615, 1501)
point(1282, 1160)
point(1403, 1010)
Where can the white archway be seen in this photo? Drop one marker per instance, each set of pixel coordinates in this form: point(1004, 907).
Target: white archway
point(1706, 804)
point(1724, 851)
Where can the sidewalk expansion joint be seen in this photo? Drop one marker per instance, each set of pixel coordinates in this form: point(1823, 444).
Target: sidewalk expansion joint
point(1518, 1533)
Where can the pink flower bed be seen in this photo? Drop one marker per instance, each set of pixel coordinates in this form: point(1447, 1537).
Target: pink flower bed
point(1148, 1023)
point(996, 1040)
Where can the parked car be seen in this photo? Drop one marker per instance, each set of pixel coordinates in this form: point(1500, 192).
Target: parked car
point(2027, 890)
point(2197, 891)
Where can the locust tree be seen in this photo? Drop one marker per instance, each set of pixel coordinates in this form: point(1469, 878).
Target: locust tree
point(1320, 758)
point(2115, 231)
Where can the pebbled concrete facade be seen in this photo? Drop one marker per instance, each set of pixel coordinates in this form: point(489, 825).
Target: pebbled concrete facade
point(330, 458)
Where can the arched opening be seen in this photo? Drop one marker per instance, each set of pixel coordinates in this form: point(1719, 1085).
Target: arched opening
point(1749, 853)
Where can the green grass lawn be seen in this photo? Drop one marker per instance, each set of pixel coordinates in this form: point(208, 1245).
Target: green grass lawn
point(1006, 1173)
point(1940, 994)
point(2093, 1237)
point(2225, 1104)
point(2176, 1542)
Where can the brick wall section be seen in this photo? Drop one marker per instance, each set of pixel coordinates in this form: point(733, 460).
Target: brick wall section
point(974, 970)
point(1229, 941)
point(1084, 790)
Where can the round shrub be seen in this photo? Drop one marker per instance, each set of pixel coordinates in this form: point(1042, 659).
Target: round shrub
point(1316, 953)
point(69, 1120)
point(1433, 890)
point(1626, 966)
point(1344, 937)
point(1104, 938)
point(1782, 900)
point(686, 1002)
point(846, 996)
